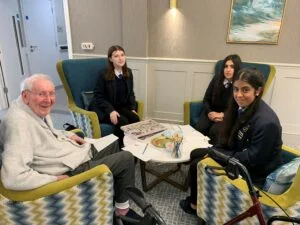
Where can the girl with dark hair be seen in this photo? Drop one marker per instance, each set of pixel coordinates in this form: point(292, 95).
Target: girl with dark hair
point(114, 99)
point(252, 134)
point(216, 98)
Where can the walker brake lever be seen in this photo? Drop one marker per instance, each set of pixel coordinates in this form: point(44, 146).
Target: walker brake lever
point(232, 169)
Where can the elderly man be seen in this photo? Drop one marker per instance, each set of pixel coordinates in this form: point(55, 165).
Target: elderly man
point(36, 154)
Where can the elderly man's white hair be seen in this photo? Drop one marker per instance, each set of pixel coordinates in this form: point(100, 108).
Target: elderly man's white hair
point(28, 82)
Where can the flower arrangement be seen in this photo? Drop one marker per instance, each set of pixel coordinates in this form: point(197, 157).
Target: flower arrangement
point(175, 145)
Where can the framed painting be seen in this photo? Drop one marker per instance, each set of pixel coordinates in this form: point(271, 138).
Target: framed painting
point(255, 21)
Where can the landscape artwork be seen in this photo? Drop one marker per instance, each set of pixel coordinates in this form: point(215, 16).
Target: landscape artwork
point(255, 21)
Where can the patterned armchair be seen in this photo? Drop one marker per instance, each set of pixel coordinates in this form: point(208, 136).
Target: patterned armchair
point(220, 199)
point(192, 109)
point(83, 199)
point(79, 77)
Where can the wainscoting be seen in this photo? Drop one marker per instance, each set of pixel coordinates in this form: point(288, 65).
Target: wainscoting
point(165, 84)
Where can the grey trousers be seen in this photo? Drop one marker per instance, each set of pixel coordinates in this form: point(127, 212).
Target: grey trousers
point(120, 163)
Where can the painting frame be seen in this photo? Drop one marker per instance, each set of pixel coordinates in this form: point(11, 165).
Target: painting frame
point(255, 21)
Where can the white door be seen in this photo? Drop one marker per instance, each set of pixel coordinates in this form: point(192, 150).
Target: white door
point(39, 23)
point(3, 92)
point(13, 67)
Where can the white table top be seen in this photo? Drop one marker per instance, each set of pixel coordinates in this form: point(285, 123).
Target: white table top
point(191, 139)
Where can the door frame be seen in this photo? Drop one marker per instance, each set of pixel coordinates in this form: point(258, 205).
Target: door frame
point(68, 28)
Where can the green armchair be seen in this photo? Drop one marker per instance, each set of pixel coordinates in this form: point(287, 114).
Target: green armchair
point(79, 77)
point(192, 109)
point(83, 199)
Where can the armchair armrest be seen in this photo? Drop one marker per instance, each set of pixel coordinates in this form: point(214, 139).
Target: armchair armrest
point(86, 120)
point(82, 199)
point(140, 109)
point(192, 112)
point(54, 187)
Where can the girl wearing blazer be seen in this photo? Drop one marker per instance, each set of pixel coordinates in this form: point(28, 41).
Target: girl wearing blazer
point(114, 99)
point(216, 98)
point(252, 134)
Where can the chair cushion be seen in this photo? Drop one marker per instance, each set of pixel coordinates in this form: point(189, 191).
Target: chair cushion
point(87, 97)
point(279, 181)
point(106, 129)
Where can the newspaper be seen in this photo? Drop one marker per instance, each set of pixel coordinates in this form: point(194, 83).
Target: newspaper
point(143, 129)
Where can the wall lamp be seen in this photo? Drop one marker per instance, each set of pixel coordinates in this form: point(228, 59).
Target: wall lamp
point(173, 4)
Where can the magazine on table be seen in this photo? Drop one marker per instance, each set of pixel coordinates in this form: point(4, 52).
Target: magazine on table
point(143, 128)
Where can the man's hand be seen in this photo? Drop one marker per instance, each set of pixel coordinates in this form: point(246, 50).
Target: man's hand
point(77, 139)
point(61, 177)
point(114, 117)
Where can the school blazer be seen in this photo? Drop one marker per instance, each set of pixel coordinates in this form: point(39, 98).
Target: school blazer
point(105, 95)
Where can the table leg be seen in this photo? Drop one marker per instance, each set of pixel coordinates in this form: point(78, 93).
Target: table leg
point(161, 177)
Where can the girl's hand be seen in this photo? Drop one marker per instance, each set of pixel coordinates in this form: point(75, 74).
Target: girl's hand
point(215, 116)
point(212, 115)
point(114, 117)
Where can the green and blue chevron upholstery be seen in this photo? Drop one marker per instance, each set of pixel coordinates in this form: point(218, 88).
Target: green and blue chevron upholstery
point(83, 122)
point(220, 199)
point(87, 203)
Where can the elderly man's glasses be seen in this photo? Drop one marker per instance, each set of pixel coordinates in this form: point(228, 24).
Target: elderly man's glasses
point(44, 94)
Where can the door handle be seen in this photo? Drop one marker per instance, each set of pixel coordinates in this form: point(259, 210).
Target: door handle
point(33, 47)
point(18, 43)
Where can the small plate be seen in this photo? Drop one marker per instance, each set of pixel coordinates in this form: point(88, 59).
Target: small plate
point(160, 141)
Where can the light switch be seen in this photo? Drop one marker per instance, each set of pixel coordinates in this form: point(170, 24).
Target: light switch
point(87, 45)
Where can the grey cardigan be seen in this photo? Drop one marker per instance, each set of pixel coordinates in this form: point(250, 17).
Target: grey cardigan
point(34, 153)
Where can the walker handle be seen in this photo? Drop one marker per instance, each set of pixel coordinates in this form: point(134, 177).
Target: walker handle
point(217, 155)
point(233, 168)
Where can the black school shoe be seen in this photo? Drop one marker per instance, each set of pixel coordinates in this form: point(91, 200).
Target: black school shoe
point(185, 205)
point(132, 216)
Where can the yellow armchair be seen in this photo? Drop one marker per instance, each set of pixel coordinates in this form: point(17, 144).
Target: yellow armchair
point(220, 198)
point(83, 199)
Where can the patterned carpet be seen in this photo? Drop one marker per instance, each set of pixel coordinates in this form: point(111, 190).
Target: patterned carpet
point(165, 198)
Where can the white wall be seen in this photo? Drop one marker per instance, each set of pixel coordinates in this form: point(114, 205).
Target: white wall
point(286, 102)
point(165, 84)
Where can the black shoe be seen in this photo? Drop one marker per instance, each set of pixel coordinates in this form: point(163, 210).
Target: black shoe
point(131, 215)
point(185, 205)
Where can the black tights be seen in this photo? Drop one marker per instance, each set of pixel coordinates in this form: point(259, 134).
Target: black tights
point(196, 156)
point(126, 117)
